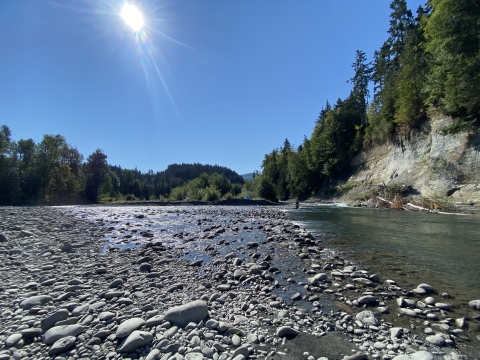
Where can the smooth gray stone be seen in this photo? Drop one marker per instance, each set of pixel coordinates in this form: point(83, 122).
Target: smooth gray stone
point(367, 299)
point(407, 312)
point(236, 341)
point(38, 300)
point(128, 326)
point(316, 278)
point(284, 331)
point(194, 311)
point(13, 339)
point(52, 319)
point(80, 310)
point(252, 338)
point(116, 283)
point(135, 340)
point(242, 350)
point(154, 321)
point(125, 301)
point(426, 287)
point(474, 304)
point(212, 324)
point(396, 332)
point(436, 340)
point(97, 305)
point(31, 333)
point(105, 315)
point(113, 294)
point(62, 345)
point(443, 306)
point(419, 291)
point(58, 332)
point(430, 301)
point(153, 355)
point(194, 356)
point(239, 273)
point(419, 355)
point(367, 318)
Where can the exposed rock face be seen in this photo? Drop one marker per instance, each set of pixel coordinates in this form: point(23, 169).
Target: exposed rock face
point(430, 162)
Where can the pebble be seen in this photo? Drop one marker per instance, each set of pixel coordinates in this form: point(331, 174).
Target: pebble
point(148, 302)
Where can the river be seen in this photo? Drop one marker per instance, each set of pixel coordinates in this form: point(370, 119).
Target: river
point(408, 247)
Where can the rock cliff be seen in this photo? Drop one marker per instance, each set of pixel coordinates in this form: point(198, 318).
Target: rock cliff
point(433, 164)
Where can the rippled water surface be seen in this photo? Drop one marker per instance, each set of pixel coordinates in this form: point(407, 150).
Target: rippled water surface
point(410, 247)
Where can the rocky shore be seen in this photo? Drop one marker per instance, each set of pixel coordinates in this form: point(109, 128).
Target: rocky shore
point(204, 282)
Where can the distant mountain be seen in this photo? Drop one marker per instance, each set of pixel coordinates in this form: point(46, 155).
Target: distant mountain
point(248, 176)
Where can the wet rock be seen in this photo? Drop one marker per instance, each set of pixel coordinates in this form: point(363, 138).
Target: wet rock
point(475, 304)
point(426, 287)
point(408, 312)
point(194, 311)
point(436, 340)
point(286, 331)
point(367, 318)
point(419, 355)
point(367, 299)
point(461, 323)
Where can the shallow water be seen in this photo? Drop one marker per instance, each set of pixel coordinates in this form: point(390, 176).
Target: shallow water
point(408, 247)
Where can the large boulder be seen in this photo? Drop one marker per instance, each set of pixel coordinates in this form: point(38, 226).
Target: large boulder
point(194, 311)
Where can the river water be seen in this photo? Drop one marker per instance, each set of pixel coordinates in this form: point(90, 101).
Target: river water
point(408, 247)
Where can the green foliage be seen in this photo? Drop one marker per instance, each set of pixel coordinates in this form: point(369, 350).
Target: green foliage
point(459, 125)
point(453, 41)
point(265, 188)
point(211, 193)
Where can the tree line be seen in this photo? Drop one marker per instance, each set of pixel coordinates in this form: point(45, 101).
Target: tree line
point(55, 172)
point(428, 65)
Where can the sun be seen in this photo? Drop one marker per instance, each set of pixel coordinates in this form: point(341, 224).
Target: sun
point(132, 17)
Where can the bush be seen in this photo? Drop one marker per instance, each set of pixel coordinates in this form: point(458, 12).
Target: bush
point(130, 197)
point(211, 193)
point(178, 194)
point(266, 189)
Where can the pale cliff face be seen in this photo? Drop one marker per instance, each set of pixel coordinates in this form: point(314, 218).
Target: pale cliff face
point(433, 164)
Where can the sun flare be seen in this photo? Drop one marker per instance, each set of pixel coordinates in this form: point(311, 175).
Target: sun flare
point(132, 17)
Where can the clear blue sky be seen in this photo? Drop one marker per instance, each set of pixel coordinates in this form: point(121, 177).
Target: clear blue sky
point(238, 76)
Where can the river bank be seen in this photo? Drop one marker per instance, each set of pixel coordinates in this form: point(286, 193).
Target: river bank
point(105, 282)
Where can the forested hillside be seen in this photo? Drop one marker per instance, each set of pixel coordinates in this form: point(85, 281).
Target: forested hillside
point(54, 171)
point(428, 65)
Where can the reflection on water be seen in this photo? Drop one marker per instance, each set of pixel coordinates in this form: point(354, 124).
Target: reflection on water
point(411, 247)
